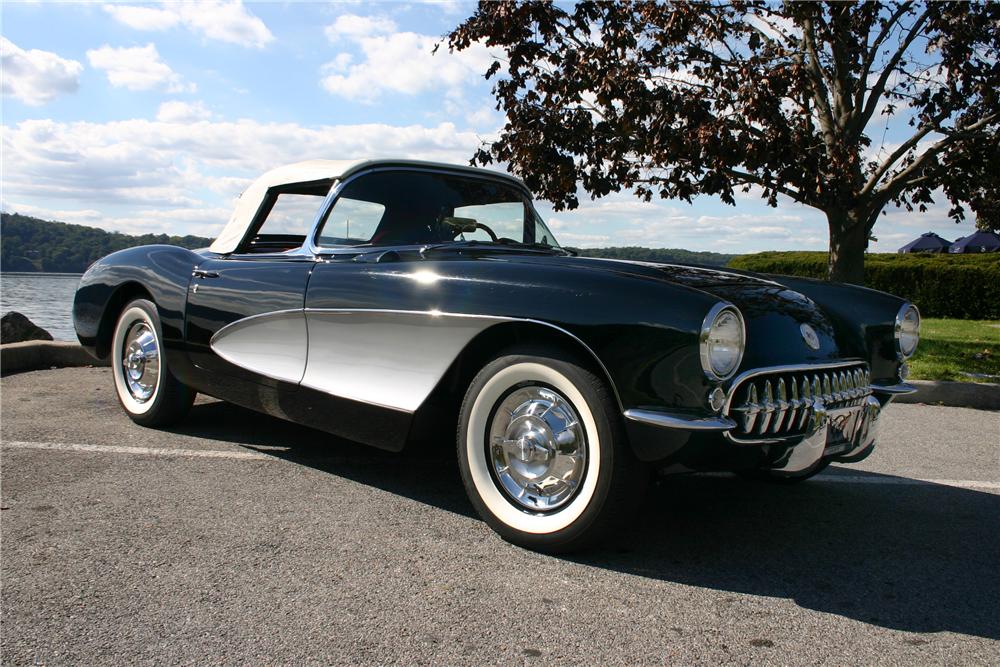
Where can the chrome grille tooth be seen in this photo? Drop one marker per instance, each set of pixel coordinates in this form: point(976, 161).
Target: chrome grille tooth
point(793, 411)
point(767, 408)
point(852, 383)
point(817, 388)
point(845, 384)
point(752, 408)
point(806, 402)
point(781, 407)
point(827, 391)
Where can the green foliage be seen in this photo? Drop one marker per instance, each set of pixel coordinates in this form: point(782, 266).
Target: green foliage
point(962, 350)
point(657, 255)
point(942, 285)
point(30, 244)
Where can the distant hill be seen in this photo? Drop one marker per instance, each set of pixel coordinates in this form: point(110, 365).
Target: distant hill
point(30, 244)
point(658, 255)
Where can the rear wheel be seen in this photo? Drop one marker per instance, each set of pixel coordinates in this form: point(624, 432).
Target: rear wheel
point(146, 388)
point(542, 452)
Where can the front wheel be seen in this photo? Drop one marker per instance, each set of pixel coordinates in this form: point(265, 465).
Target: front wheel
point(543, 454)
point(146, 388)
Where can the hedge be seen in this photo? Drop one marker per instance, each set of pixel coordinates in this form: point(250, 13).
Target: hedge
point(942, 285)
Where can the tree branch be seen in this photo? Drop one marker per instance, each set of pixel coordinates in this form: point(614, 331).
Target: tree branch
point(866, 66)
point(903, 149)
point(876, 92)
point(902, 180)
point(826, 120)
point(755, 180)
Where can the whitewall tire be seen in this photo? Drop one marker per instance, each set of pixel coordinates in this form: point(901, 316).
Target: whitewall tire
point(543, 454)
point(145, 387)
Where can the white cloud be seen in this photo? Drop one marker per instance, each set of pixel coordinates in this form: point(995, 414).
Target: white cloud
point(175, 111)
point(396, 62)
point(485, 116)
point(229, 22)
point(137, 68)
point(36, 77)
point(144, 18)
point(137, 172)
point(354, 26)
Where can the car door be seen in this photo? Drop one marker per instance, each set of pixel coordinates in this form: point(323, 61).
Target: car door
point(225, 291)
point(263, 283)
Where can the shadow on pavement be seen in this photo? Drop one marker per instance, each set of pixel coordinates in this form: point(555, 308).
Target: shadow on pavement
point(919, 558)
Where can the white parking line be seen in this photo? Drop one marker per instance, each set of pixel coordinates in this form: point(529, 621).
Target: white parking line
point(146, 451)
point(874, 478)
point(906, 481)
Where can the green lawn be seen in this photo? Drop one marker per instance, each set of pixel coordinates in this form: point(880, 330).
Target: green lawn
point(949, 349)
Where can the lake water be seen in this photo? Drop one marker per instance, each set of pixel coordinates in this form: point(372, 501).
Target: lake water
point(44, 298)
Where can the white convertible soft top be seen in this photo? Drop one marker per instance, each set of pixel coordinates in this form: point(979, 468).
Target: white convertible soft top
point(310, 171)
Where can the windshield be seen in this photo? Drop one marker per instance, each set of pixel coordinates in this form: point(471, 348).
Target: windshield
point(414, 207)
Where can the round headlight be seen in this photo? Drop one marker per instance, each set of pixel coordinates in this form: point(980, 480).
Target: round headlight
point(722, 341)
point(907, 330)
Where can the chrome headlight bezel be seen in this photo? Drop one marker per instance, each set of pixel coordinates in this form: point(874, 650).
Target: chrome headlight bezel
point(903, 350)
point(708, 327)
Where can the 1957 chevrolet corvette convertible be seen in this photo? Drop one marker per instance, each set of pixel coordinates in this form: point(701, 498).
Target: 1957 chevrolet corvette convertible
point(378, 300)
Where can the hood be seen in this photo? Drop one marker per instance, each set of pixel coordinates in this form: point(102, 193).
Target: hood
point(773, 313)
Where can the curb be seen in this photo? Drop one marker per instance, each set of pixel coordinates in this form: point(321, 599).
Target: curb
point(980, 396)
point(33, 355)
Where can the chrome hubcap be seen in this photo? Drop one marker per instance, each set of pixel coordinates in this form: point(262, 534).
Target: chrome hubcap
point(537, 449)
point(141, 361)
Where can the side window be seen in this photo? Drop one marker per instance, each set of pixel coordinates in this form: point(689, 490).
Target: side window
point(351, 222)
point(291, 214)
point(542, 235)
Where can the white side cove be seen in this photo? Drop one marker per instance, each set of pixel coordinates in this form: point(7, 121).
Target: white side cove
point(385, 357)
point(272, 344)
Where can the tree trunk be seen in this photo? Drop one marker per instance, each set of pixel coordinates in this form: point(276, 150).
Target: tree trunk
point(848, 242)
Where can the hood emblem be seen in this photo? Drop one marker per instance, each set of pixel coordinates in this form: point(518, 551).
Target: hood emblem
point(809, 336)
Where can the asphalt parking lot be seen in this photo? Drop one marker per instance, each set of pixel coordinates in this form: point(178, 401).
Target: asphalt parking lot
point(238, 538)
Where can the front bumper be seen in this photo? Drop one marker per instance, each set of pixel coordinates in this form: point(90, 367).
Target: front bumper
point(835, 416)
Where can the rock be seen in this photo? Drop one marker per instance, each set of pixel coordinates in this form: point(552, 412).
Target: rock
point(16, 328)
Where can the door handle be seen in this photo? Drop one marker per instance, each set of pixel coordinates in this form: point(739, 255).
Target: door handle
point(201, 273)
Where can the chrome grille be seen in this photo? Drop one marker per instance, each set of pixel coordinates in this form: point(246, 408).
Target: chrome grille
point(774, 404)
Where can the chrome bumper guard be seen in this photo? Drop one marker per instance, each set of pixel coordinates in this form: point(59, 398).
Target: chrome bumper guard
point(844, 432)
point(827, 410)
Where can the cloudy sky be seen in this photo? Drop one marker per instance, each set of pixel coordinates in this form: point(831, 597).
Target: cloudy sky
point(154, 117)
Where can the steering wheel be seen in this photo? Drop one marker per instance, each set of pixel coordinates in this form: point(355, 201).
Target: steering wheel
point(493, 236)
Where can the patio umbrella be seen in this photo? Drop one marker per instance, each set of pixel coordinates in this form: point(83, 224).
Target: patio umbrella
point(978, 242)
point(929, 242)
